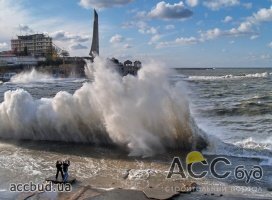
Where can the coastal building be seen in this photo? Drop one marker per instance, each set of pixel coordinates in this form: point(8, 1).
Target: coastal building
point(127, 68)
point(7, 60)
point(13, 60)
point(138, 64)
point(127, 63)
point(38, 45)
point(6, 53)
point(131, 68)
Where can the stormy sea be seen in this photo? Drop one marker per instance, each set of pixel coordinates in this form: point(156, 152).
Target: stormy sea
point(124, 131)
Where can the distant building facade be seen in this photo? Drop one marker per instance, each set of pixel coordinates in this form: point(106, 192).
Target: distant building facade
point(127, 63)
point(38, 45)
point(13, 60)
point(137, 64)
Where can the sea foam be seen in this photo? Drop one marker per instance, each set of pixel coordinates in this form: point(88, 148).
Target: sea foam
point(144, 113)
point(30, 76)
point(230, 76)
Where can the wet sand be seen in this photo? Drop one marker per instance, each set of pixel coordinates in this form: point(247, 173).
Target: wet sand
point(110, 171)
point(88, 193)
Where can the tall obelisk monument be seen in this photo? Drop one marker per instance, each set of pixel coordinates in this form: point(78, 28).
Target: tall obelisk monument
point(95, 41)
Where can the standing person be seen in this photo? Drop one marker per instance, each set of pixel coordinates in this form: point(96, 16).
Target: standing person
point(65, 164)
point(59, 169)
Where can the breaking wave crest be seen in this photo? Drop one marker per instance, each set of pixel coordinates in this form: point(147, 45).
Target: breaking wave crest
point(30, 76)
point(249, 143)
point(247, 148)
point(144, 113)
point(230, 76)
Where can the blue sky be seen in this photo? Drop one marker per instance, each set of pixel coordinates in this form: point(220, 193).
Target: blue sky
point(188, 33)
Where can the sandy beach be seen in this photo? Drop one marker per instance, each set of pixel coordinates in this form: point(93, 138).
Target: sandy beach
point(102, 172)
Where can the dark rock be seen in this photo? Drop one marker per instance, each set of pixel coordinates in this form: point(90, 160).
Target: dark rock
point(53, 179)
point(120, 195)
point(159, 194)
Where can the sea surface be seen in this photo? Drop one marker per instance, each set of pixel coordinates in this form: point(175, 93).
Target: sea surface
point(233, 107)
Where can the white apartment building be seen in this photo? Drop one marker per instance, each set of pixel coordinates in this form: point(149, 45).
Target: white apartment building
point(38, 45)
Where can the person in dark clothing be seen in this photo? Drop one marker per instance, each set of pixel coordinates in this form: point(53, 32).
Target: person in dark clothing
point(59, 169)
point(65, 165)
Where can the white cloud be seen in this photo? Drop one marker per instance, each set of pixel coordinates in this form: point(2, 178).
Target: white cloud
point(216, 32)
point(245, 28)
point(144, 28)
point(247, 5)
point(78, 47)
point(266, 57)
point(141, 14)
point(165, 10)
point(170, 27)
point(228, 19)
point(148, 30)
point(210, 34)
point(263, 15)
point(99, 4)
point(253, 37)
point(66, 36)
point(154, 39)
point(178, 42)
point(192, 3)
point(116, 39)
point(11, 15)
point(127, 25)
point(25, 28)
point(127, 46)
point(218, 4)
point(15, 14)
point(3, 45)
point(190, 40)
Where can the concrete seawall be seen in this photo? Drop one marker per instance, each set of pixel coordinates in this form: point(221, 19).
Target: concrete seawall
point(59, 69)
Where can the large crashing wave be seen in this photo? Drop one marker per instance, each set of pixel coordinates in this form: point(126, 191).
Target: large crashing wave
point(143, 113)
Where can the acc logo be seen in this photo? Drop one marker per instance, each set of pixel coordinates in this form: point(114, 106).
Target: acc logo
point(240, 172)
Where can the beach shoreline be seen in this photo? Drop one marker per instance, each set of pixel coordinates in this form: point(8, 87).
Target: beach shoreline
point(111, 171)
